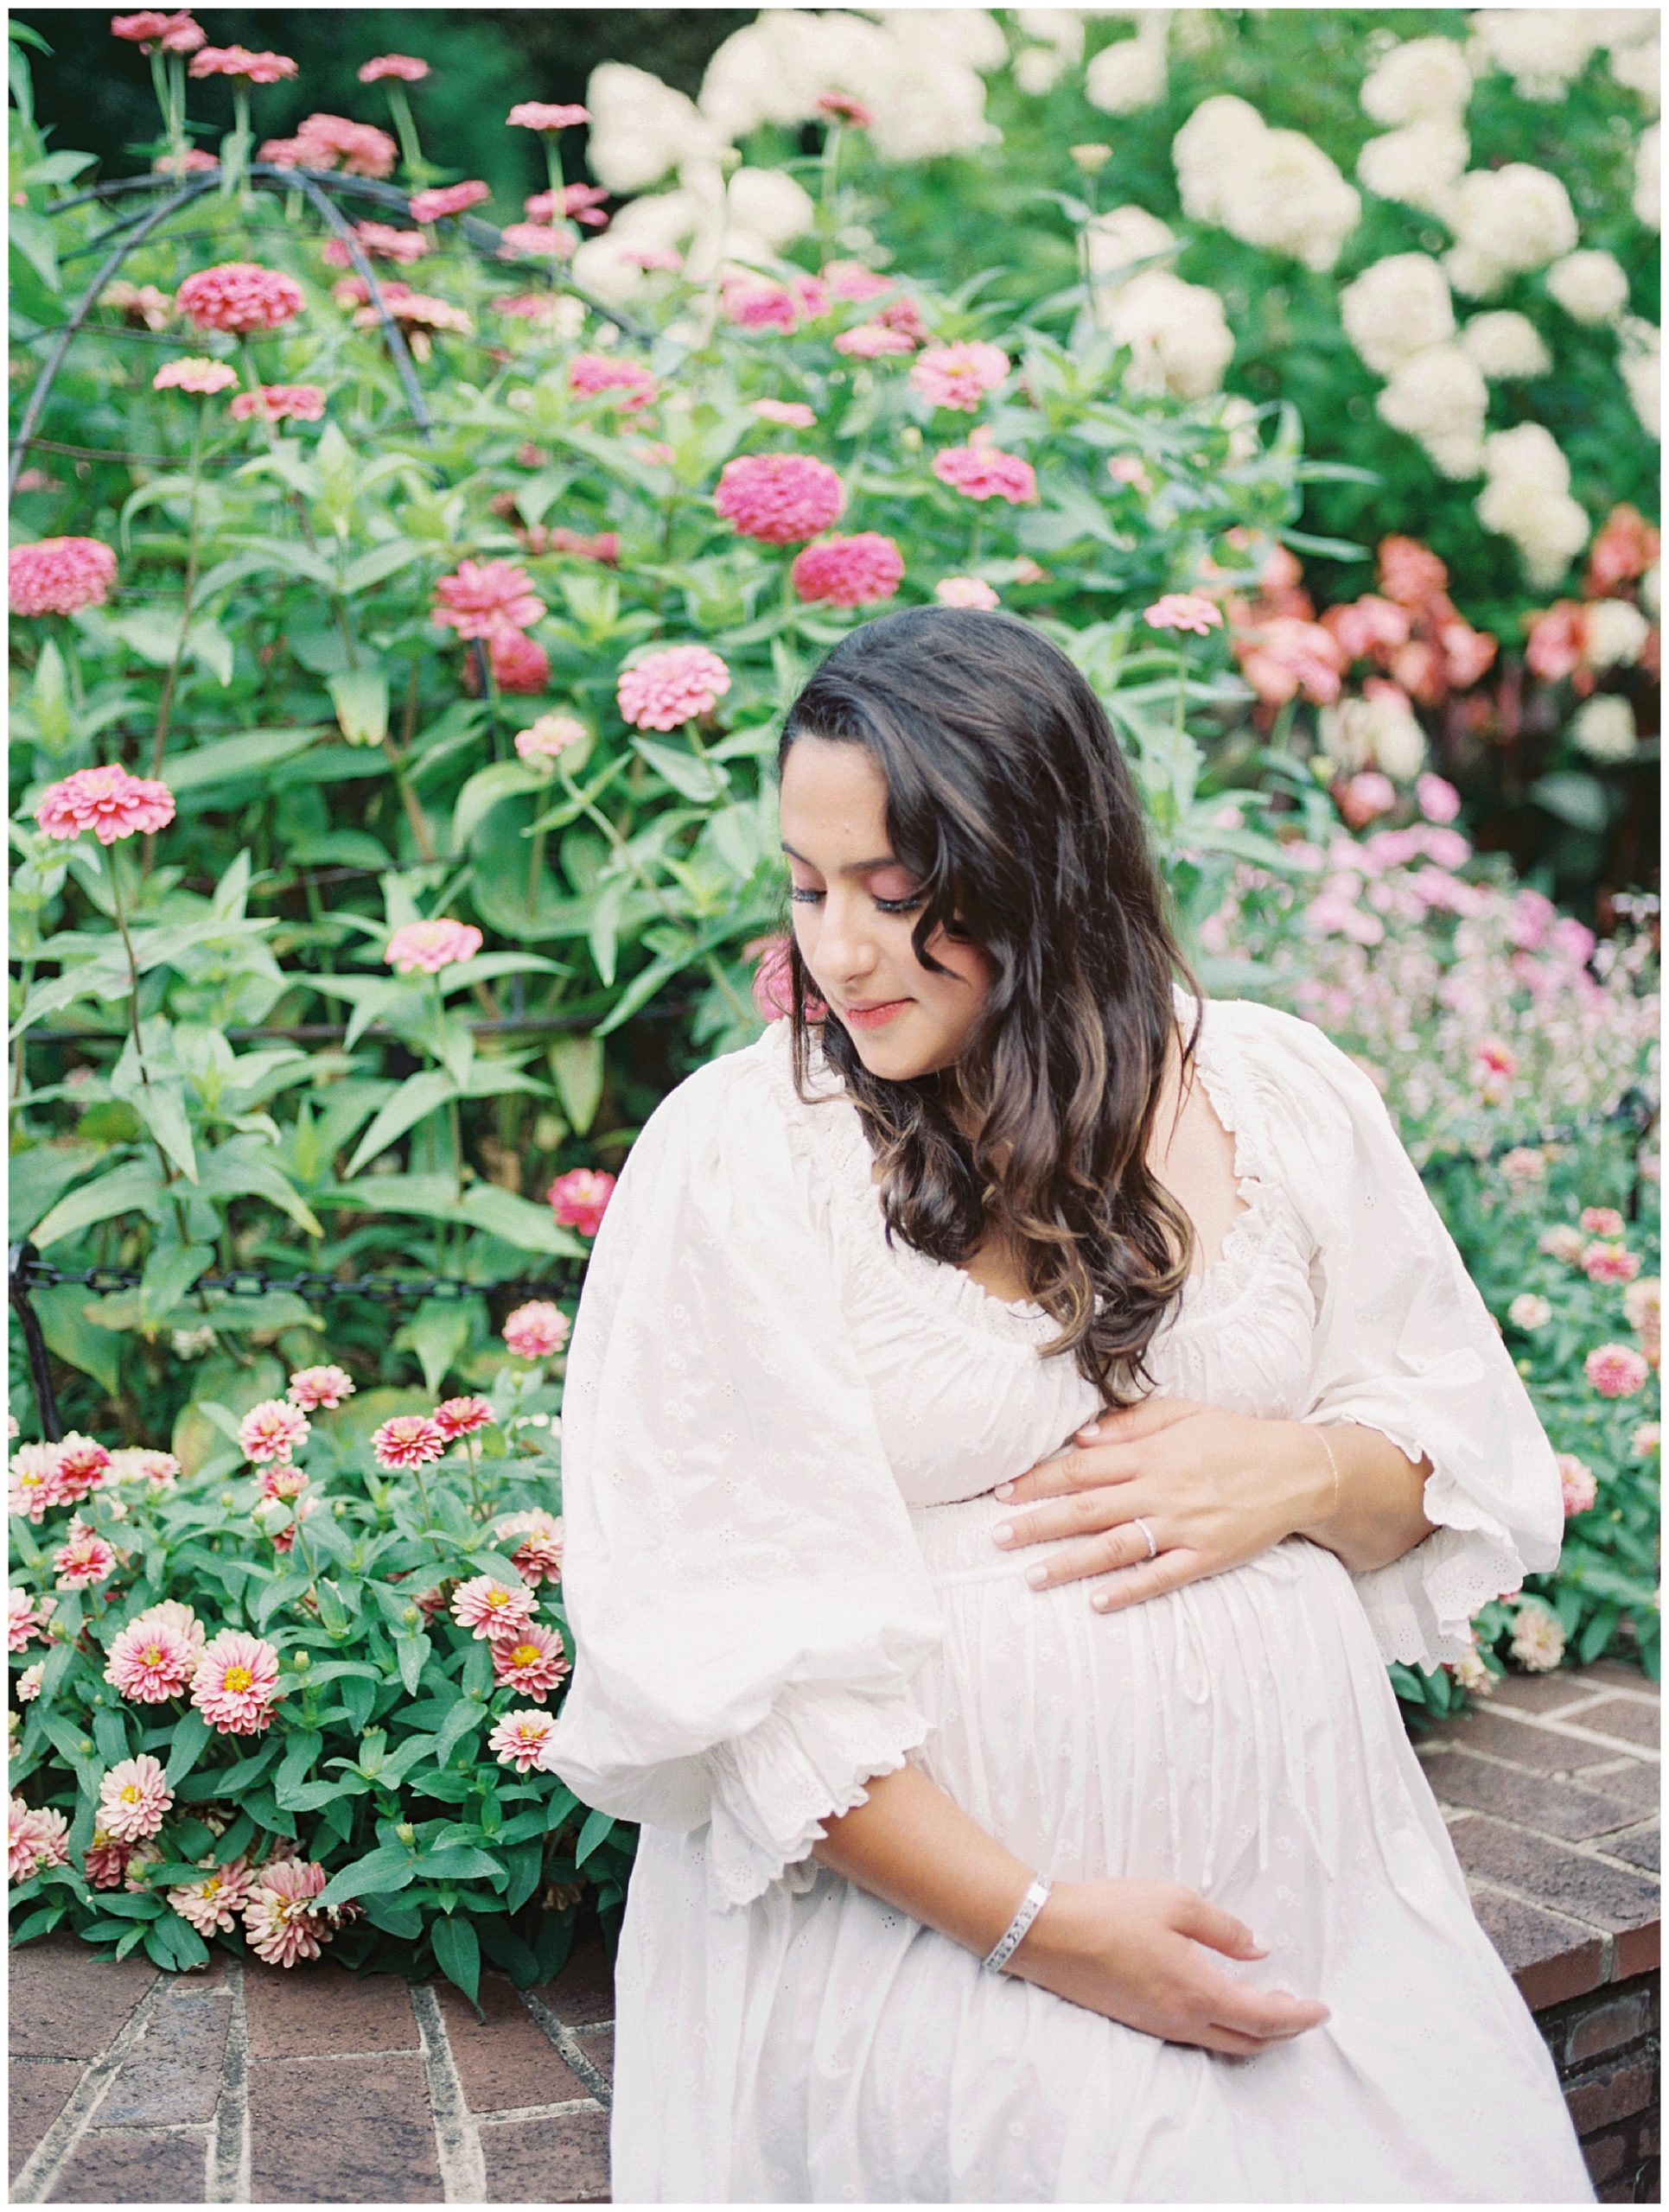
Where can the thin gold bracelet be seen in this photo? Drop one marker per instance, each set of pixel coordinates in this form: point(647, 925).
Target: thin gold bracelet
point(1333, 1465)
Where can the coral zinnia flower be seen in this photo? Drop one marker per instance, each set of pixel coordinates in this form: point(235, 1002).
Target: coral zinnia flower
point(314, 1387)
point(447, 199)
point(960, 376)
point(537, 241)
point(492, 1608)
point(235, 1683)
point(537, 1330)
point(867, 342)
point(150, 1660)
point(272, 1430)
point(86, 1559)
point(83, 1466)
point(196, 373)
point(57, 576)
point(482, 597)
point(547, 115)
point(589, 373)
point(538, 1557)
point(134, 1799)
point(281, 402)
point(550, 735)
point(240, 297)
point(213, 1905)
point(238, 61)
point(108, 801)
point(172, 30)
point(980, 470)
point(278, 1917)
point(408, 1440)
point(406, 67)
point(456, 1417)
point(580, 1197)
point(781, 499)
point(521, 1739)
point(849, 571)
point(425, 948)
point(1615, 1371)
point(533, 1662)
point(518, 663)
point(672, 686)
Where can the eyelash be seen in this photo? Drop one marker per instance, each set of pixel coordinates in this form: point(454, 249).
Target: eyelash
point(885, 906)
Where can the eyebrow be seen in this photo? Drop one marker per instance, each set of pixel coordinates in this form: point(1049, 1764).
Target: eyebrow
point(852, 868)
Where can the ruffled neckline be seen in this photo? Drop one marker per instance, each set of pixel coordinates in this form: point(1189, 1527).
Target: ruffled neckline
point(1208, 1292)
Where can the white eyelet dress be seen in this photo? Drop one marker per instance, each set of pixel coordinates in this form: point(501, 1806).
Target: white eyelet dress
point(781, 1436)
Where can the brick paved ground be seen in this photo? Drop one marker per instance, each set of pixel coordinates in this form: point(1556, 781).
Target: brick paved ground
point(246, 2085)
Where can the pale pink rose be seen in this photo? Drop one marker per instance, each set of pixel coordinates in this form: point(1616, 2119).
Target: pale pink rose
point(966, 591)
point(591, 373)
point(1562, 1242)
point(447, 199)
point(150, 1660)
point(425, 948)
point(272, 1430)
point(849, 571)
point(1529, 1310)
point(547, 115)
point(23, 1623)
point(550, 735)
point(1524, 1164)
point(1615, 1371)
point(196, 373)
point(867, 341)
point(83, 1467)
point(32, 1483)
point(1438, 800)
point(1538, 1638)
point(236, 1682)
point(316, 1388)
point(239, 297)
point(1183, 610)
point(675, 685)
point(523, 1740)
point(456, 1417)
point(406, 67)
point(482, 597)
point(781, 499)
point(86, 1559)
point(280, 403)
point(1576, 1483)
point(980, 470)
point(792, 414)
point(492, 1608)
point(213, 1905)
point(279, 1919)
point(532, 1661)
point(1604, 1263)
point(35, 1839)
point(580, 1197)
point(960, 375)
point(537, 1330)
point(134, 1799)
point(1603, 1221)
point(408, 1440)
point(108, 801)
point(537, 1555)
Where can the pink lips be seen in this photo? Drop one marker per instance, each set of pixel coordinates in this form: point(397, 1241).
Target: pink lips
point(872, 1017)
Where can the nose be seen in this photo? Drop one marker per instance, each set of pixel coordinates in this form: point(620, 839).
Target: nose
point(845, 940)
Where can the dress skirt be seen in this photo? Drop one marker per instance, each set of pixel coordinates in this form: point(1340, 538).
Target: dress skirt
point(1239, 1736)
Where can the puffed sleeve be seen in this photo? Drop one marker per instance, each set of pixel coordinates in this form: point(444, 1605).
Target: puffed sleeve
point(748, 1601)
point(1404, 1344)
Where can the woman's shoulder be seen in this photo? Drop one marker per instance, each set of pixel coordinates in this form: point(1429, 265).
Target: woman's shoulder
point(1287, 1050)
point(740, 1098)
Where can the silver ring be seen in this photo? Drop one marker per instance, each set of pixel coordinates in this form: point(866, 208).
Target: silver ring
point(1153, 1548)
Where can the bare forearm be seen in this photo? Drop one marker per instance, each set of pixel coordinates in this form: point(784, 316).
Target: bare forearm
point(914, 1846)
point(1378, 1516)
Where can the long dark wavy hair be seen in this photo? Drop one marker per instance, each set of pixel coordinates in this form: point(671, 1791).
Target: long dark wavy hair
point(1009, 801)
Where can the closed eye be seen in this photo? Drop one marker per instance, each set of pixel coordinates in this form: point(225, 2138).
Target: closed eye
point(884, 906)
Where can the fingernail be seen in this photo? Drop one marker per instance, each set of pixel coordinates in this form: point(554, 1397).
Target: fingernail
point(1001, 1532)
point(1003, 1490)
point(1100, 1601)
point(1090, 1434)
point(1037, 1576)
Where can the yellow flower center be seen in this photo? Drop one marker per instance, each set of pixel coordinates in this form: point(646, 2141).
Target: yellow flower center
point(31, 1482)
point(237, 1678)
point(153, 1655)
point(498, 1596)
point(525, 1655)
point(130, 1793)
point(211, 1888)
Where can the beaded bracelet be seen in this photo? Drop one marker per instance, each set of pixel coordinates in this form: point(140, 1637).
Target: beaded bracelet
point(1030, 1905)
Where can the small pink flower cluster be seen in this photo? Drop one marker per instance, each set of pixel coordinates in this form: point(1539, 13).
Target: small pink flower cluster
point(36, 1838)
point(849, 571)
point(1577, 1483)
point(404, 67)
point(445, 200)
point(580, 1197)
point(580, 203)
point(26, 1618)
point(550, 735)
point(173, 30)
point(1183, 610)
point(235, 1682)
point(425, 948)
point(58, 576)
point(378, 242)
point(196, 373)
point(960, 376)
point(980, 470)
point(280, 403)
point(590, 373)
point(281, 1921)
point(328, 142)
point(238, 61)
point(966, 591)
point(320, 1388)
point(781, 499)
point(537, 241)
point(547, 115)
point(756, 303)
point(85, 1559)
point(238, 297)
point(155, 1655)
point(537, 1330)
point(213, 1905)
point(792, 414)
point(41, 1476)
point(537, 1555)
point(677, 684)
point(1616, 1370)
point(108, 801)
point(482, 599)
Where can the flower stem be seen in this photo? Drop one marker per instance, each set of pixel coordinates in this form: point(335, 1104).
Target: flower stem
point(165, 705)
point(553, 162)
point(400, 108)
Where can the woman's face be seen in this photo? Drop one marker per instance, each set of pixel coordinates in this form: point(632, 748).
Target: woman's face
point(854, 907)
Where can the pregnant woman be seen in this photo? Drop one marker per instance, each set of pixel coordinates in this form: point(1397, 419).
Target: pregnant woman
point(955, 1884)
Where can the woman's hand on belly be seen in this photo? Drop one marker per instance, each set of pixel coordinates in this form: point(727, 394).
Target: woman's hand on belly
point(1216, 1488)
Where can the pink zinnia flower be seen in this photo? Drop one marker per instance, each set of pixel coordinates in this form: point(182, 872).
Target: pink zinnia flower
point(23, 1623)
point(1524, 1164)
point(578, 202)
point(491, 1608)
point(980, 470)
point(150, 1660)
point(456, 1417)
point(538, 1556)
point(279, 1920)
point(964, 591)
point(750, 305)
point(106, 1861)
point(302, 1509)
point(240, 297)
point(1286, 655)
point(960, 376)
point(284, 1478)
point(537, 241)
point(519, 665)
point(190, 160)
point(1576, 1483)
point(447, 199)
point(537, 1330)
point(849, 571)
point(235, 1683)
point(672, 686)
point(533, 1662)
point(35, 1839)
point(1366, 796)
point(281, 402)
point(1602, 1263)
point(1183, 610)
point(272, 1430)
point(547, 737)
point(850, 280)
point(580, 1197)
point(867, 342)
point(1561, 1242)
point(406, 67)
point(1367, 625)
point(32, 1483)
point(408, 1440)
point(238, 61)
point(213, 1905)
point(83, 1467)
point(794, 414)
point(781, 499)
point(425, 948)
point(158, 1471)
point(1646, 1439)
point(522, 1740)
point(173, 29)
point(589, 373)
point(315, 1388)
point(1603, 1221)
point(1438, 800)
point(27, 1688)
point(323, 141)
point(108, 801)
point(547, 115)
point(58, 575)
point(196, 373)
point(841, 107)
point(381, 242)
point(134, 1799)
point(1615, 1371)
point(482, 597)
point(86, 1559)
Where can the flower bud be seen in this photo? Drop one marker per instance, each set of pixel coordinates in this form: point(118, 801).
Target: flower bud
point(1090, 158)
point(304, 1660)
point(406, 1832)
point(410, 1616)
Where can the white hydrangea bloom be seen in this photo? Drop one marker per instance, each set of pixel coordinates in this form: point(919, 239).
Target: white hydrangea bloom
point(1060, 27)
point(1038, 69)
point(1603, 727)
point(1640, 69)
point(1120, 238)
point(1505, 345)
point(1128, 76)
point(1239, 418)
point(641, 128)
point(1648, 183)
point(1590, 286)
point(1219, 140)
point(1439, 398)
point(1396, 308)
point(1616, 631)
point(1378, 733)
point(972, 36)
point(1651, 591)
point(1528, 455)
point(1617, 28)
point(1544, 50)
point(773, 205)
point(1507, 221)
point(1419, 165)
point(1179, 336)
point(931, 106)
point(755, 76)
point(1425, 78)
point(1272, 188)
point(1527, 498)
point(1640, 362)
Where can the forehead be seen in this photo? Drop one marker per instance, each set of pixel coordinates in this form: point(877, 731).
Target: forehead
point(827, 785)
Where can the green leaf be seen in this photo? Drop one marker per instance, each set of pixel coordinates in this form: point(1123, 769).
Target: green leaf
point(518, 1222)
point(597, 1828)
point(577, 1065)
point(485, 790)
point(457, 1954)
point(161, 1106)
point(439, 1333)
point(522, 1865)
point(411, 1652)
point(191, 1734)
point(229, 759)
point(134, 1187)
point(603, 935)
point(380, 1873)
point(462, 1862)
point(692, 779)
point(1580, 800)
point(467, 1714)
point(419, 1095)
point(360, 698)
point(69, 1333)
